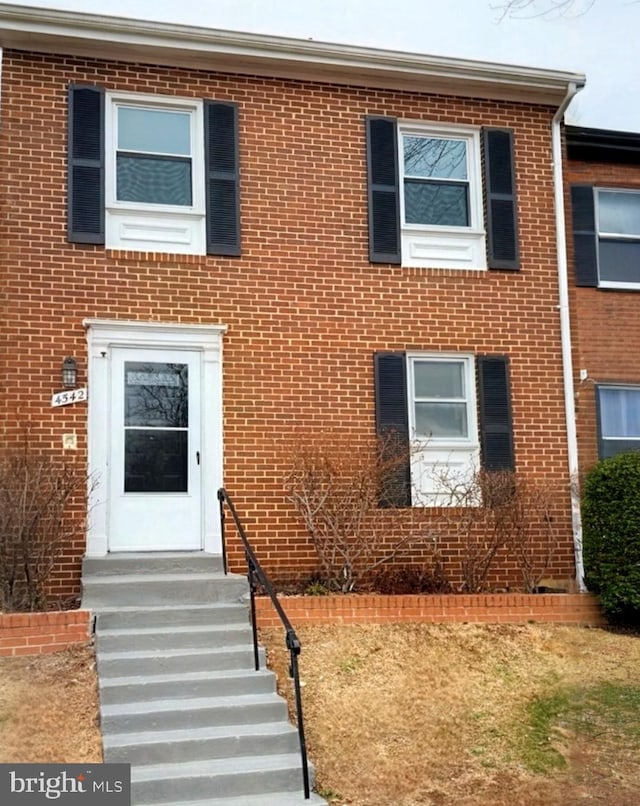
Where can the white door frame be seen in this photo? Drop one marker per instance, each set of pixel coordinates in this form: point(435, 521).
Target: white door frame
point(102, 335)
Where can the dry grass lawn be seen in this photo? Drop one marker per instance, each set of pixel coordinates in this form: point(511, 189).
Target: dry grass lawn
point(49, 708)
point(411, 715)
point(470, 715)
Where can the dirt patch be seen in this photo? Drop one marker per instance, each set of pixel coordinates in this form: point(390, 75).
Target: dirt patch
point(49, 708)
point(419, 715)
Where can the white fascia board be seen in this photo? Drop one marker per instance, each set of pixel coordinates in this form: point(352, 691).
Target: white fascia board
point(132, 40)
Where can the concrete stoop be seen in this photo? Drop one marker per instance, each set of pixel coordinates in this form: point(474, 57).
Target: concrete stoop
point(179, 696)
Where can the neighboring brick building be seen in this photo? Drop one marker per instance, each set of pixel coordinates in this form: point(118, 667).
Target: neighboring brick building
point(603, 209)
point(211, 225)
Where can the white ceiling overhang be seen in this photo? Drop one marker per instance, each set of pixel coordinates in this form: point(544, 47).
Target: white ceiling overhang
point(143, 41)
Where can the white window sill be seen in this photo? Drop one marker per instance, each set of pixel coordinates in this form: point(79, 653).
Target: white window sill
point(449, 248)
point(619, 286)
point(151, 230)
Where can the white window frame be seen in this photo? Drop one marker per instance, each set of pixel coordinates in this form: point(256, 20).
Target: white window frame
point(430, 246)
point(456, 458)
point(150, 227)
point(613, 236)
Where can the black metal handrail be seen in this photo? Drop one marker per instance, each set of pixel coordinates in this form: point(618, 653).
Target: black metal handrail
point(257, 576)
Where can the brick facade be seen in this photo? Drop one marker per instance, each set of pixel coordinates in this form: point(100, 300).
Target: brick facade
point(605, 322)
point(305, 308)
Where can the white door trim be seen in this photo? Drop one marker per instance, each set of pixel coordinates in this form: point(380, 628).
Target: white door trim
point(102, 335)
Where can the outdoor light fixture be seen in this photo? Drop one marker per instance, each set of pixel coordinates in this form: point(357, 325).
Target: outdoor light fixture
point(69, 372)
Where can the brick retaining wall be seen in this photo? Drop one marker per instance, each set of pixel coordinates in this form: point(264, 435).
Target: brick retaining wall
point(37, 633)
point(509, 608)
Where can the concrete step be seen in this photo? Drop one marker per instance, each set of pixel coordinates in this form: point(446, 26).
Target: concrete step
point(196, 712)
point(150, 662)
point(200, 744)
point(250, 775)
point(139, 562)
point(266, 799)
point(130, 617)
point(114, 690)
point(186, 637)
point(110, 591)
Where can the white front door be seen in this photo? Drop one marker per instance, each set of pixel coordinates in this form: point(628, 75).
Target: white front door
point(155, 450)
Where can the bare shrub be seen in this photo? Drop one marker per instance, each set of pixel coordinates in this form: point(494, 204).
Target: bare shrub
point(35, 491)
point(494, 510)
point(344, 493)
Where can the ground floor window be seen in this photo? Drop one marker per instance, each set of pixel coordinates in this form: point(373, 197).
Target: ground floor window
point(618, 419)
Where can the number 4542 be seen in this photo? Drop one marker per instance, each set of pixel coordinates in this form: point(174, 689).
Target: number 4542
point(73, 396)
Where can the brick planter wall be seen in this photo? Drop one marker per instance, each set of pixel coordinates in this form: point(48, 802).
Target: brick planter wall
point(37, 633)
point(504, 608)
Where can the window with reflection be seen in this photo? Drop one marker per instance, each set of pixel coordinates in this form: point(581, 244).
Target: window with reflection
point(618, 223)
point(153, 156)
point(436, 181)
point(618, 419)
point(156, 424)
point(441, 399)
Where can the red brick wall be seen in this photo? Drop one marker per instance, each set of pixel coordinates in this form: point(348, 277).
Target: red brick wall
point(38, 633)
point(502, 608)
point(605, 322)
point(305, 309)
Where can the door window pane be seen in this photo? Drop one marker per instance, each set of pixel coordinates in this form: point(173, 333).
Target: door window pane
point(155, 461)
point(156, 394)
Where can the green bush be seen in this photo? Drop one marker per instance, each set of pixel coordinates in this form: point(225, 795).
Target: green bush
point(611, 536)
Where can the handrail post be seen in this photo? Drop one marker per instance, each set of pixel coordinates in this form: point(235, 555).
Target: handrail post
point(254, 625)
point(225, 567)
point(294, 650)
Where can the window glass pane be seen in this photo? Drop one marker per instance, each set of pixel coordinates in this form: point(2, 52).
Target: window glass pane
point(155, 461)
point(619, 412)
point(436, 204)
point(441, 420)
point(156, 395)
point(619, 212)
point(619, 261)
point(435, 157)
point(153, 180)
point(439, 379)
point(156, 131)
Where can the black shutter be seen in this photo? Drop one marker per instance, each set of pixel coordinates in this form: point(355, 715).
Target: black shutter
point(222, 178)
point(85, 165)
point(392, 426)
point(500, 194)
point(584, 235)
point(382, 187)
point(496, 433)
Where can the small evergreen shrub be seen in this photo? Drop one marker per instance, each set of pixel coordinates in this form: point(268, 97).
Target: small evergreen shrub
point(611, 536)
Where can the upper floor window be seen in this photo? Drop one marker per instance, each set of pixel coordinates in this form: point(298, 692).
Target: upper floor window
point(153, 173)
point(606, 236)
point(154, 154)
point(436, 180)
point(618, 220)
point(618, 419)
point(426, 195)
point(155, 177)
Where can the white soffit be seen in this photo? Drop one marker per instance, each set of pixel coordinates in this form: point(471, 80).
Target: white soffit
point(143, 41)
